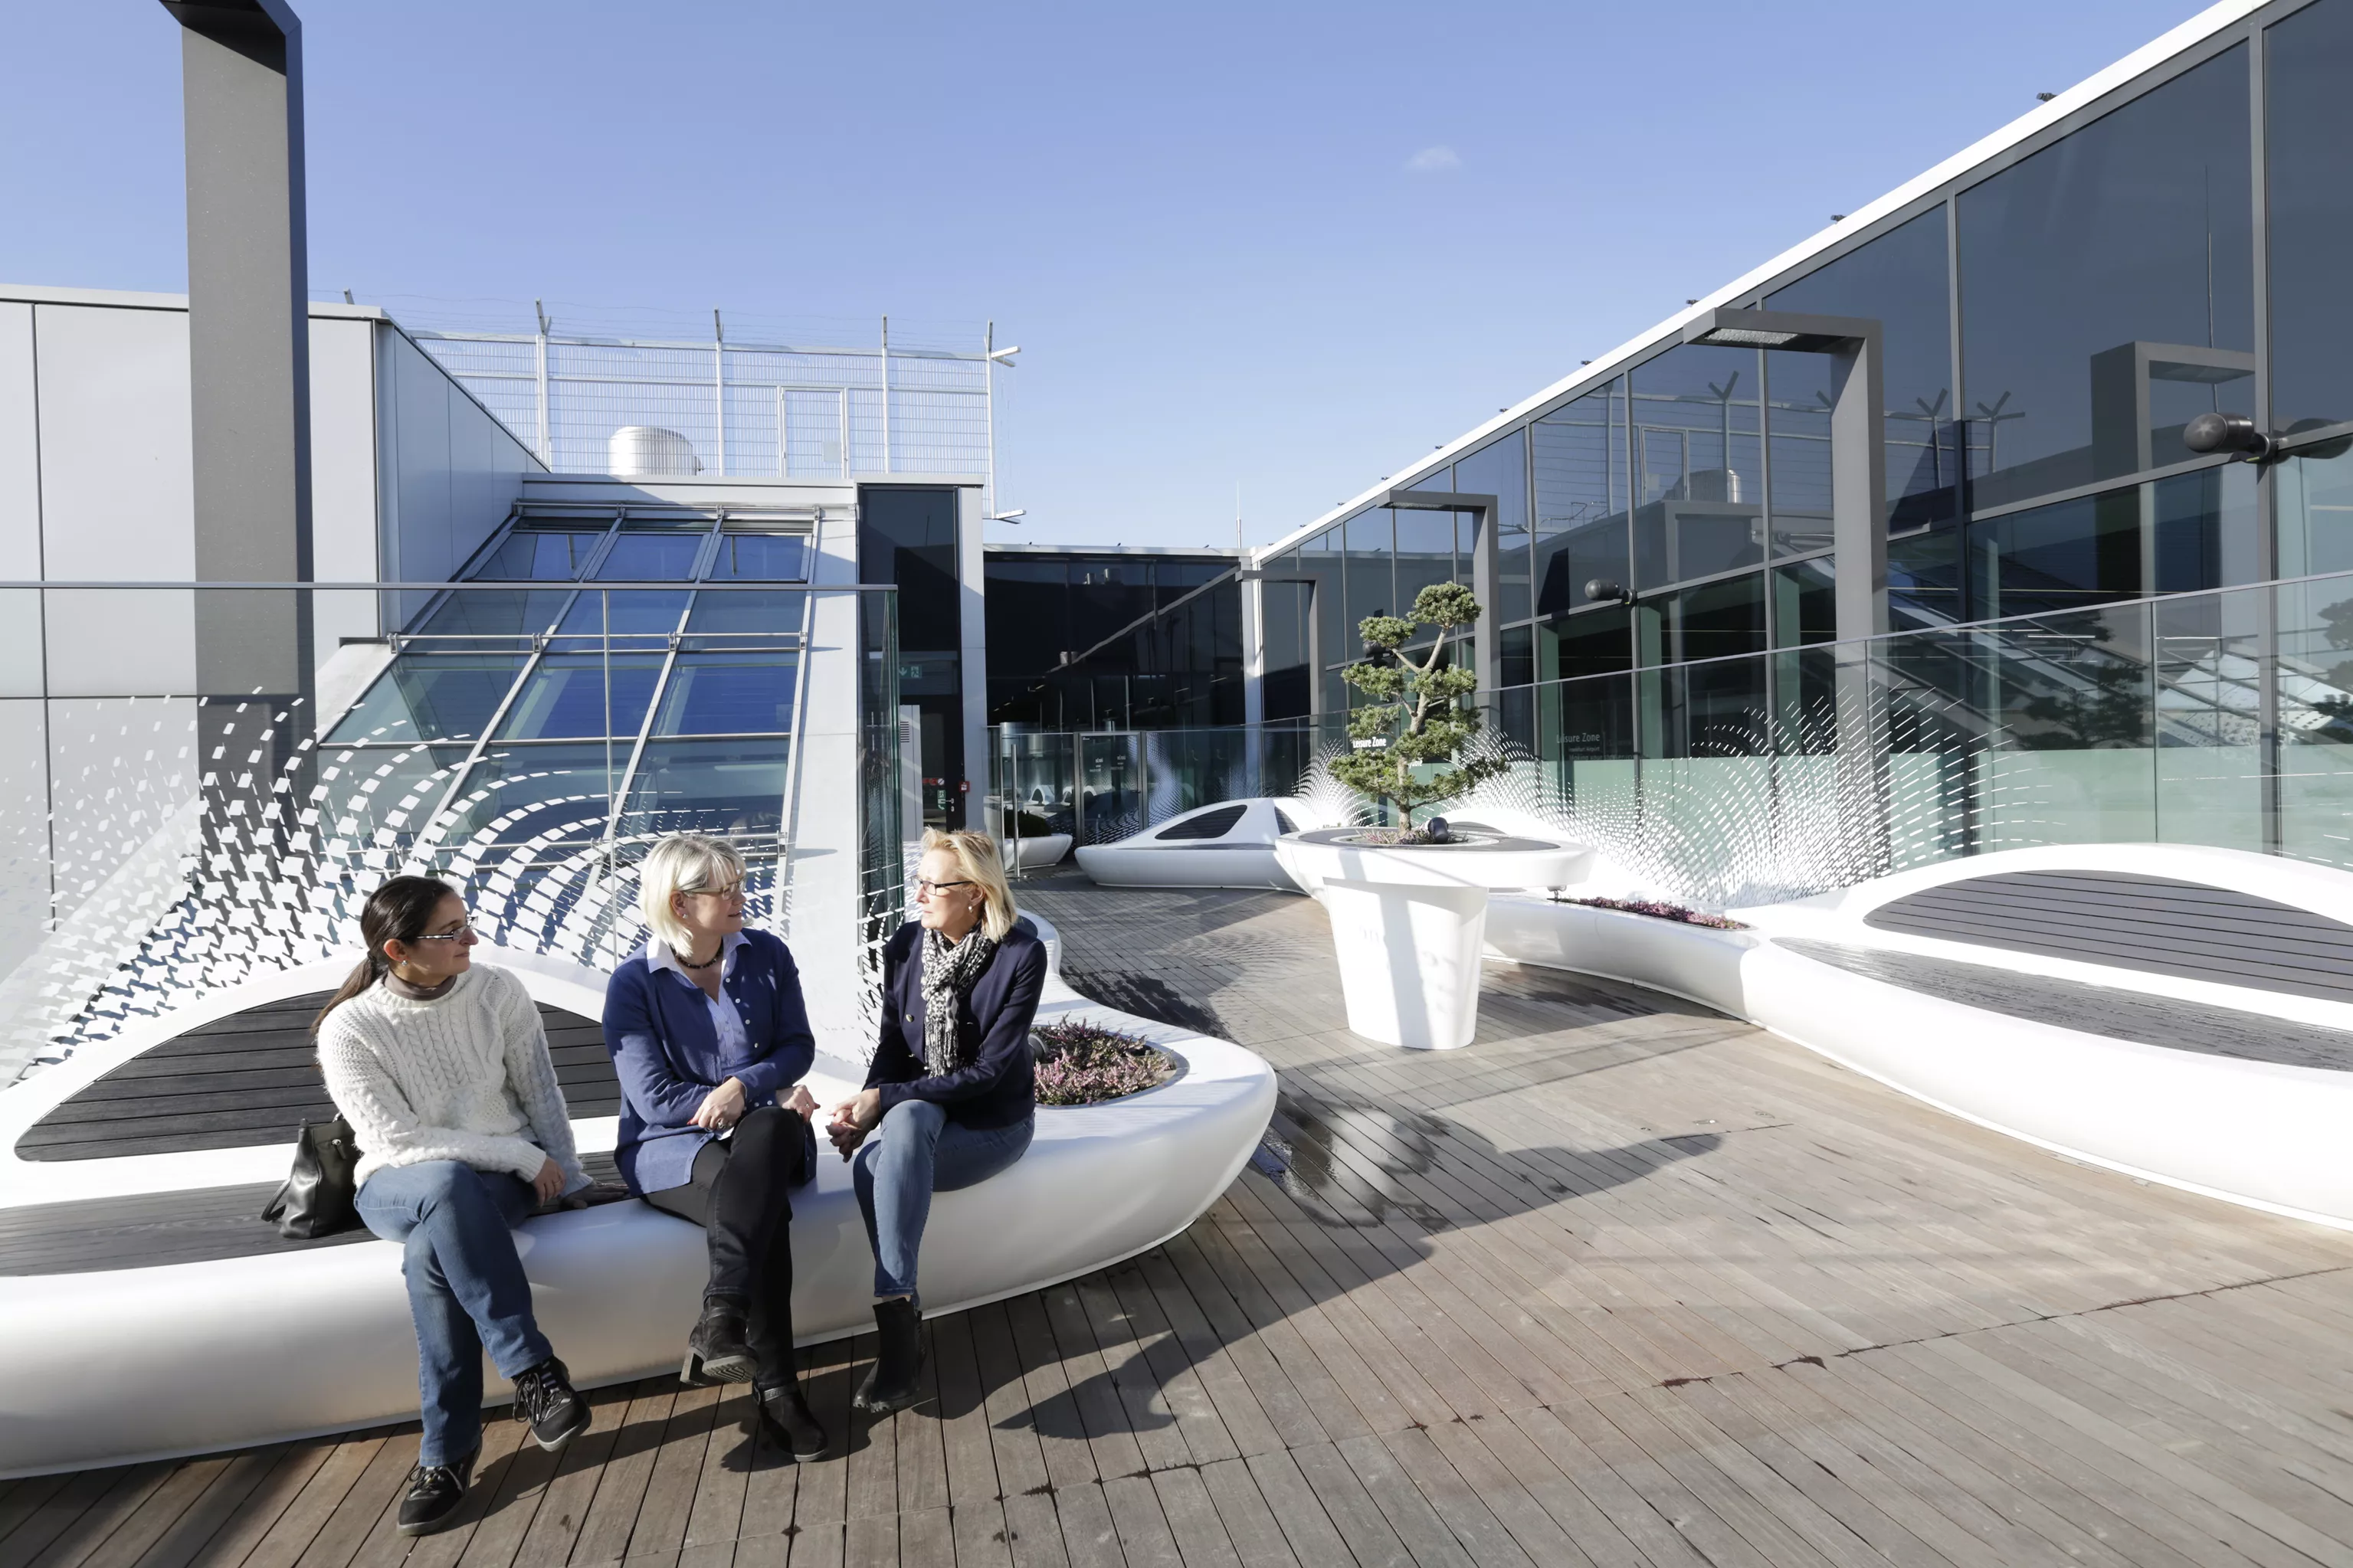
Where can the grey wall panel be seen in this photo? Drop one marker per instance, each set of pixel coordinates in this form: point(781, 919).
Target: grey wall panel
point(20, 465)
point(118, 491)
point(455, 471)
point(123, 782)
point(24, 831)
point(120, 642)
point(343, 479)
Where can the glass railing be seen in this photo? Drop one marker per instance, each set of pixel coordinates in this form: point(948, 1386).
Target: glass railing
point(2222, 718)
point(204, 782)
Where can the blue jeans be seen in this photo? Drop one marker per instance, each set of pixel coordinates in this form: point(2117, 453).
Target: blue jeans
point(917, 1151)
point(466, 1288)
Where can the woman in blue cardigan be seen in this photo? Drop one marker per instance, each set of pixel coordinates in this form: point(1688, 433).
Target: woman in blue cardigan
point(710, 1039)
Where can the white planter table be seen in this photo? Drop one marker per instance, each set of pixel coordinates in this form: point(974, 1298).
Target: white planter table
point(1409, 923)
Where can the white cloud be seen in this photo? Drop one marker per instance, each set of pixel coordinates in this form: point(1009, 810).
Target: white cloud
point(1430, 159)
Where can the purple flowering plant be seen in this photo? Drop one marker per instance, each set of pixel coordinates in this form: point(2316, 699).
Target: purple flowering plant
point(1659, 910)
point(1084, 1064)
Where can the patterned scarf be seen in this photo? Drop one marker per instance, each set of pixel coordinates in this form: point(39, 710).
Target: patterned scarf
point(950, 972)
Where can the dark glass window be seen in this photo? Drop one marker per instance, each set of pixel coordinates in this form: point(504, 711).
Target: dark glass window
point(1923, 580)
point(909, 537)
point(1698, 465)
point(1598, 642)
point(1797, 428)
point(762, 557)
point(1580, 471)
point(1028, 609)
point(1500, 470)
point(2206, 530)
point(431, 697)
point(2059, 557)
point(1372, 588)
point(1805, 604)
point(2307, 61)
point(2107, 291)
point(1425, 553)
point(1712, 621)
point(531, 553)
point(732, 619)
point(1320, 559)
point(1517, 656)
point(728, 694)
point(633, 613)
point(568, 698)
point(2315, 491)
point(1900, 279)
point(730, 787)
point(499, 616)
point(667, 557)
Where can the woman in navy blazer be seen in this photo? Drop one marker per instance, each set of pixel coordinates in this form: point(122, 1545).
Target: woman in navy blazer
point(710, 1039)
point(951, 1098)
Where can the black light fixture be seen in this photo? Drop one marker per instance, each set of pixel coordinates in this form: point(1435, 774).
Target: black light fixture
point(2227, 432)
point(1602, 591)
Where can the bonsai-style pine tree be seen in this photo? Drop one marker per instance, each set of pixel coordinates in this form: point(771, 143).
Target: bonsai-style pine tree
point(1418, 719)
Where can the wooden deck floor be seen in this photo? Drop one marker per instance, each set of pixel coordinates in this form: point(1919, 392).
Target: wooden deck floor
point(1625, 1283)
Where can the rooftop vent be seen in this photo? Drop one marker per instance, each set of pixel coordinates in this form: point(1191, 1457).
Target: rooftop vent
point(648, 451)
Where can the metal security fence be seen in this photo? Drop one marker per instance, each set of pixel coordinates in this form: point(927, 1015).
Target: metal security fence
point(747, 408)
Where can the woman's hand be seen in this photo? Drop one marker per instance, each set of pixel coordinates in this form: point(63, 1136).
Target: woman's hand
point(549, 1184)
point(853, 1120)
point(801, 1103)
point(721, 1109)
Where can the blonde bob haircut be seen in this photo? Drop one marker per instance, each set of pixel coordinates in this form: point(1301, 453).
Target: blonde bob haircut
point(684, 863)
point(977, 861)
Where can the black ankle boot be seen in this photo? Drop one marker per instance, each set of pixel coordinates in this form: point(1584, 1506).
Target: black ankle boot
point(716, 1349)
point(434, 1493)
point(787, 1416)
point(898, 1358)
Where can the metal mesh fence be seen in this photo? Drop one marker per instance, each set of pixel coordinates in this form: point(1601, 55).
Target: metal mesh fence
point(789, 412)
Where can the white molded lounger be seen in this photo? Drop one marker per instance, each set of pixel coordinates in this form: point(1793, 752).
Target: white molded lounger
point(1229, 844)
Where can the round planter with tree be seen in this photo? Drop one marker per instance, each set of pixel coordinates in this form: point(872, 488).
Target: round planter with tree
point(1408, 904)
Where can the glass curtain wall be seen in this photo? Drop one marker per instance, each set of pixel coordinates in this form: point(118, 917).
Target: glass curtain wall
point(566, 716)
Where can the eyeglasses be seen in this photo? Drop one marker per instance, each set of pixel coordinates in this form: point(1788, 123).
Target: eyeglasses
point(924, 885)
point(732, 890)
point(460, 935)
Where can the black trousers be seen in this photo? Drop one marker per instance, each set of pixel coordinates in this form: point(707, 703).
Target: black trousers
point(741, 1194)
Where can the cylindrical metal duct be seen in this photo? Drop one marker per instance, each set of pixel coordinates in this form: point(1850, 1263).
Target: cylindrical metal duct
point(648, 451)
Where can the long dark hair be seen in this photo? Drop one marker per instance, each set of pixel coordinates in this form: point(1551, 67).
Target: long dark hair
point(400, 910)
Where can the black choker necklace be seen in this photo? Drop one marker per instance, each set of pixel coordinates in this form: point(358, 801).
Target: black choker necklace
point(708, 961)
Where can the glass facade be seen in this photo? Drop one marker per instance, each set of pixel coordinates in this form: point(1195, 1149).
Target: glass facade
point(570, 716)
point(1108, 639)
point(2050, 320)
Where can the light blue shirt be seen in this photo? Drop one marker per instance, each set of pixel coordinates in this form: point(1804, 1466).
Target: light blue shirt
point(734, 1044)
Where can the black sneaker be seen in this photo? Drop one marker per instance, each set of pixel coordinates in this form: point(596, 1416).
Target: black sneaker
point(434, 1493)
point(545, 1398)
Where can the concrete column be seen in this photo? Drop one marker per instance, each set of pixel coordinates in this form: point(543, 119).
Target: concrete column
point(250, 371)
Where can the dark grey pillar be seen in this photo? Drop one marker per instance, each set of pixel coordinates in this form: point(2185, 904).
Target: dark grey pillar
point(1487, 648)
point(250, 373)
point(1858, 530)
point(249, 338)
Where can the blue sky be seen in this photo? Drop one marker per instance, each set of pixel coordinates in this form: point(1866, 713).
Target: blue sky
point(1285, 246)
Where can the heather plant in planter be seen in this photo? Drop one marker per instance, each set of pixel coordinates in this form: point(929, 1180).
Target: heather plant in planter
point(1416, 719)
point(1085, 1064)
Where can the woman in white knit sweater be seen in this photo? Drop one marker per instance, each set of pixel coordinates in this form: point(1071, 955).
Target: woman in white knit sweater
point(443, 1072)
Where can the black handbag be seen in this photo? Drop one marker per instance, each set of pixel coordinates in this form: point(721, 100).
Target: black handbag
point(318, 1197)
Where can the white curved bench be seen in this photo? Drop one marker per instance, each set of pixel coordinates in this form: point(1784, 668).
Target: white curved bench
point(111, 1366)
point(2265, 1133)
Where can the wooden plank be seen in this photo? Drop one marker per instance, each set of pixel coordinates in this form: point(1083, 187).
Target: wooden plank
point(628, 1470)
point(1251, 1530)
point(660, 1525)
point(81, 1517)
point(564, 1501)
